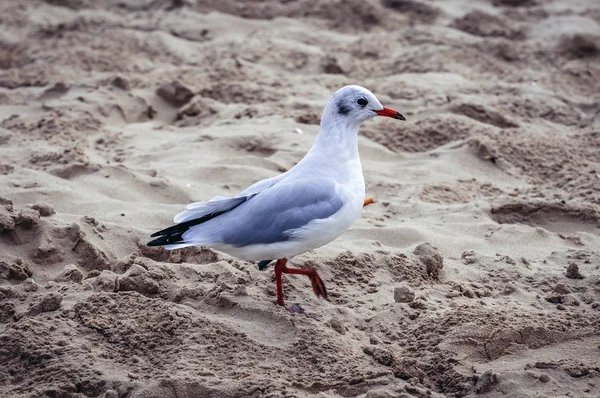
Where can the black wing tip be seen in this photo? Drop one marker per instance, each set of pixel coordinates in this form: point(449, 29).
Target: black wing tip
point(169, 236)
point(172, 230)
point(165, 240)
point(155, 242)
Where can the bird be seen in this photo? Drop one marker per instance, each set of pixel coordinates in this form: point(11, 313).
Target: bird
point(299, 210)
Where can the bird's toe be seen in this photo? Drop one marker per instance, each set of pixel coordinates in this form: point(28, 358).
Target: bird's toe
point(318, 286)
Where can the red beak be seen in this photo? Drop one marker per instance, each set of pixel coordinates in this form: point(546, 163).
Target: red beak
point(387, 112)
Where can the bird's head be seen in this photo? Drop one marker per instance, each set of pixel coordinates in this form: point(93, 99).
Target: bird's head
point(355, 104)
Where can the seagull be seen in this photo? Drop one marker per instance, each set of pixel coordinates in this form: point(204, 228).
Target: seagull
point(300, 210)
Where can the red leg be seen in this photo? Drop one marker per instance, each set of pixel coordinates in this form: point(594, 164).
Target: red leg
point(317, 283)
point(279, 267)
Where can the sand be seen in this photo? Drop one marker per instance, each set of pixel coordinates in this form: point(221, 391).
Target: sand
point(476, 272)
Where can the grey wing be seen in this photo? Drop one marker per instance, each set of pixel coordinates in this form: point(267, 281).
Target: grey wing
point(270, 215)
point(198, 213)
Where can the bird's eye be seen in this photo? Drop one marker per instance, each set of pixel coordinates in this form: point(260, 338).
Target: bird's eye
point(362, 101)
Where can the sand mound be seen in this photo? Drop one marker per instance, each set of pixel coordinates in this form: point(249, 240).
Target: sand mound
point(556, 217)
point(479, 23)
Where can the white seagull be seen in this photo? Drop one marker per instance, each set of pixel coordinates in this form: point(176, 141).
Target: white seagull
point(304, 208)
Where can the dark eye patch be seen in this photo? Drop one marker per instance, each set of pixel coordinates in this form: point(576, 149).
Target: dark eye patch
point(343, 109)
point(362, 101)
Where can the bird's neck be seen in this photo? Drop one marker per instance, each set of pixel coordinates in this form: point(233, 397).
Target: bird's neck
point(336, 149)
point(337, 140)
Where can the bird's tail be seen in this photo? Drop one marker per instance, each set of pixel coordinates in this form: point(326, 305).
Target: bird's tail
point(172, 237)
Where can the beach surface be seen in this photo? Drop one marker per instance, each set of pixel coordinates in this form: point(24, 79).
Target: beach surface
point(475, 273)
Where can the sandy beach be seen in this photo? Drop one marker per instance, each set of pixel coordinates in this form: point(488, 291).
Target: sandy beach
point(475, 273)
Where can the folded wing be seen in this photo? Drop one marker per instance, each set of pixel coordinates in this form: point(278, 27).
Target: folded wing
point(273, 214)
point(196, 213)
point(268, 216)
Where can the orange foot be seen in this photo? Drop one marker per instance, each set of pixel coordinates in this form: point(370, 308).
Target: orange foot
point(368, 201)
